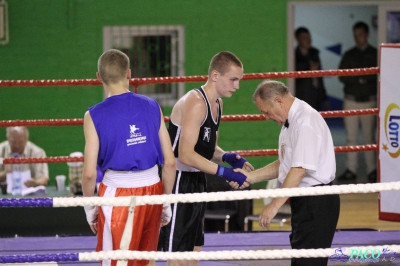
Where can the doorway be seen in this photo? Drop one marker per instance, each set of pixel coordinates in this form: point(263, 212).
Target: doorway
point(330, 24)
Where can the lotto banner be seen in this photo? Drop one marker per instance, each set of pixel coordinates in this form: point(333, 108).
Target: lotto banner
point(389, 128)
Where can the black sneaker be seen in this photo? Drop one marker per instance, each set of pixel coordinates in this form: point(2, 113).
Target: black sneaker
point(372, 177)
point(347, 175)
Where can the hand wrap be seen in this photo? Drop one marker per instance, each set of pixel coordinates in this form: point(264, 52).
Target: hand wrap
point(231, 175)
point(166, 213)
point(233, 161)
point(92, 213)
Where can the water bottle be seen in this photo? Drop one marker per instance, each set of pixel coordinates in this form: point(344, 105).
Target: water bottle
point(16, 178)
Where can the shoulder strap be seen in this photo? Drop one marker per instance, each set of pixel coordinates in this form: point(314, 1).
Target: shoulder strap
point(203, 93)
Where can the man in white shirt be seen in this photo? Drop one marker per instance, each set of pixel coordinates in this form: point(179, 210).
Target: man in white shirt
point(18, 143)
point(306, 159)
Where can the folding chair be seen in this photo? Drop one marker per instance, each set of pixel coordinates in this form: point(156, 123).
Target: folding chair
point(220, 215)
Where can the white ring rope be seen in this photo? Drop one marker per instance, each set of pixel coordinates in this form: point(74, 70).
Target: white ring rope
point(123, 255)
point(228, 255)
point(224, 196)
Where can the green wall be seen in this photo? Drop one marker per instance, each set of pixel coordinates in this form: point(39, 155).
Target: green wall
point(63, 39)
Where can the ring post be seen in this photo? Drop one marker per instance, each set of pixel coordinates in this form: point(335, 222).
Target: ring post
point(389, 129)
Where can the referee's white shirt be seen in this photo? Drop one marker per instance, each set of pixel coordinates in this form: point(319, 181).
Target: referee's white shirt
point(307, 143)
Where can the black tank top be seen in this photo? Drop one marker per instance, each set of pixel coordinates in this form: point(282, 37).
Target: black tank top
point(207, 138)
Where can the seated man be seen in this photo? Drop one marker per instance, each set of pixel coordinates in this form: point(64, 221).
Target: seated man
point(17, 143)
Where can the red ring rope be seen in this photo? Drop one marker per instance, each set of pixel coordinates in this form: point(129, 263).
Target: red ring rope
point(137, 82)
point(248, 153)
point(163, 80)
point(56, 159)
point(250, 117)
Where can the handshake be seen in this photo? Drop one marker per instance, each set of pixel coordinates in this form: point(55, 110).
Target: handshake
point(236, 161)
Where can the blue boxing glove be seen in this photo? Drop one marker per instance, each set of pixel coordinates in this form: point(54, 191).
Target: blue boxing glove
point(233, 161)
point(231, 175)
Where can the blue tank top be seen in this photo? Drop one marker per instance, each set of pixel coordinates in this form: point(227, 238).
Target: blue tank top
point(127, 126)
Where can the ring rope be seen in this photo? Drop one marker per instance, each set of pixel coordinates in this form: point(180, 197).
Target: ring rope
point(334, 254)
point(338, 149)
point(245, 117)
point(164, 80)
point(42, 122)
point(199, 197)
point(203, 255)
point(225, 255)
point(248, 153)
point(55, 159)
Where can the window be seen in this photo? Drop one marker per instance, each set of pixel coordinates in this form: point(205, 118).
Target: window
point(3, 22)
point(154, 51)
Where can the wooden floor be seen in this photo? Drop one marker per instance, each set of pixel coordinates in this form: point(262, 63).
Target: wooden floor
point(357, 211)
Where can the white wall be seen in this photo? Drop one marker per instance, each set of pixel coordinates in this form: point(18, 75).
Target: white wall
point(331, 25)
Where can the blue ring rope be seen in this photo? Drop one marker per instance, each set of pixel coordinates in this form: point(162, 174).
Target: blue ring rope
point(40, 258)
point(26, 202)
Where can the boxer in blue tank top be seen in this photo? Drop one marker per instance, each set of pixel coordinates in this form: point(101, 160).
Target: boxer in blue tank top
point(126, 137)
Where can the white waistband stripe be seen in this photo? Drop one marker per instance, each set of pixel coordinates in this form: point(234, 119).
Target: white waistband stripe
point(122, 179)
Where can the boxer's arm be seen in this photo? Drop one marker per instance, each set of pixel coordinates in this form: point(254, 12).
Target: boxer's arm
point(89, 169)
point(90, 157)
point(217, 157)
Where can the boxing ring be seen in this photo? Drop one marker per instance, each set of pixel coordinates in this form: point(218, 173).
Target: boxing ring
point(245, 248)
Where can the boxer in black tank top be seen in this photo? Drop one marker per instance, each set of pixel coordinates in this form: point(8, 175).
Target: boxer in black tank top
point(186, 227)
point(193, 130)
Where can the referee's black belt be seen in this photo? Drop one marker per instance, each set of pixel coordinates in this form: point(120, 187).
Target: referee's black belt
point(320, 185)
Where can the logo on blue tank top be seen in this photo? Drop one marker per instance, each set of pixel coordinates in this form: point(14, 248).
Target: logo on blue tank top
point(135, 137)
point(133, 129)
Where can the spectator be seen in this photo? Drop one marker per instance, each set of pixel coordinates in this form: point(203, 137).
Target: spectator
point(18, 143)
point(310, 90)
point(360, 92)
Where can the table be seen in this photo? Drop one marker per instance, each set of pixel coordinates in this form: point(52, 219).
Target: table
point(51, 192)
point(43, 221)
point(47, 221)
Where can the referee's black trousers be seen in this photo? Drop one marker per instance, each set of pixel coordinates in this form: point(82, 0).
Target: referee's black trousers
point(314, 220)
